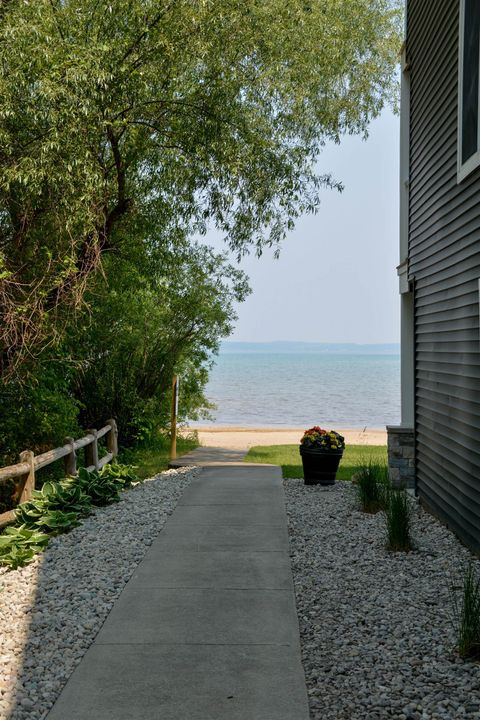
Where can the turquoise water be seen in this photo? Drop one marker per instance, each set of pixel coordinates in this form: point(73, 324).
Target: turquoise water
point(296, 389)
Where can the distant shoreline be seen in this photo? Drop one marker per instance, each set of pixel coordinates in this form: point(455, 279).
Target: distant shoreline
point(292, 347)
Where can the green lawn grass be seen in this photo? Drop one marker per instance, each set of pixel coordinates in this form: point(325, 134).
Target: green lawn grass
point(154, 457)
point(288, 457)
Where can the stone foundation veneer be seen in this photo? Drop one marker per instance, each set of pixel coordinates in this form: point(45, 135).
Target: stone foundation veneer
point(401, 456)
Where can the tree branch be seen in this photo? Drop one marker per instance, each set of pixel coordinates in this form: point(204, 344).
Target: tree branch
point(148, 29)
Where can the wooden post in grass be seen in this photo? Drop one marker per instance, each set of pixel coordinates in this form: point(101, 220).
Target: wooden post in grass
point(91, 451)
point(26, 485)
point(173, 427)
point(112, 438)
point(70, 459)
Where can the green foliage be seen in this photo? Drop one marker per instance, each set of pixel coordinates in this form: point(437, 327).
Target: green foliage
point(372, 486)
point(57, 508)
point(124, 131)
point(103, 487)
point(55, 522)
point(123, 475)
point(120, 120)
point(18, 546)
point(398, 520)
point(38, 412)
point(153, 457)
point(8, 495)
point(288, 457)
point(153, 318)
point(467, 614)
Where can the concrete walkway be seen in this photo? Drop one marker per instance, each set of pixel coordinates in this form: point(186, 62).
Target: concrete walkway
point(206, 629)
point(205, 456)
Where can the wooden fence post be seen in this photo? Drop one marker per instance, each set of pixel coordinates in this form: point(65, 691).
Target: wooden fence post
point(91, 451)
point(27, 483)
point(70, 459)
point(112, 438)
point(173, 428)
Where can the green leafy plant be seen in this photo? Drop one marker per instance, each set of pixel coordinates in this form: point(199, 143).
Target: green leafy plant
point(103, 487)
point(18, 546)
point(64, 496)
point(58, 507)
point(372, 486)
point(101, 491)
point(123, 475)
point(398, 520)
point(56, 522)
point(467, 614)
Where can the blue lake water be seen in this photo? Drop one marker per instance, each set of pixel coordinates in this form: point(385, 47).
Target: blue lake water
point(296, 389)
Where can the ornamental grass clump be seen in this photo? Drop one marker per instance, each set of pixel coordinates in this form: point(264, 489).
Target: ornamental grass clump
point(398, 520)
point(372, 486)
point(467, 614)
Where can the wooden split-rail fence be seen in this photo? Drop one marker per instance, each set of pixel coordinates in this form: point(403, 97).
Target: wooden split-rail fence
point(29, 463)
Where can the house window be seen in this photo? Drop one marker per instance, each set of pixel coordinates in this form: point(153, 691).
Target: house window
point(469, 88)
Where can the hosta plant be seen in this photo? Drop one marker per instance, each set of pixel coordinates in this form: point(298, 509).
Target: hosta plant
point(56, 522)
point(57, 508)
point(18, 546)
point(104, 486)
point(101, 489)
point(122, 474)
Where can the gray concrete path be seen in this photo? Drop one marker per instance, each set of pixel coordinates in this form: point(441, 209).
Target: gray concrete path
point(206, 629)
point(209, 456)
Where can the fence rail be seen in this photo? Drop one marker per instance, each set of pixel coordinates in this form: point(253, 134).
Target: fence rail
point(30, 463)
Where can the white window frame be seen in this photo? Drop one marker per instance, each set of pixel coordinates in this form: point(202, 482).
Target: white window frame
point(464, 169)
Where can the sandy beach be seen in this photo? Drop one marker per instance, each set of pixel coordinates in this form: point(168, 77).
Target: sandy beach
point(238, 438)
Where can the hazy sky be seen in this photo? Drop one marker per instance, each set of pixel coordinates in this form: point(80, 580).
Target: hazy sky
point(335, 280)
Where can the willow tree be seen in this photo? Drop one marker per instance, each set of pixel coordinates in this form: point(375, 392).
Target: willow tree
point(156, 117)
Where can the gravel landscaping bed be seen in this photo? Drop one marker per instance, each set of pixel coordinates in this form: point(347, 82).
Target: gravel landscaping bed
point(376, 628)
point(51, 610)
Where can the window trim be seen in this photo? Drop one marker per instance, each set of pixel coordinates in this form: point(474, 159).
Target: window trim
point(473, 162)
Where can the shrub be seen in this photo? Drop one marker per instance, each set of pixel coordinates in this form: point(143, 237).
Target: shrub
point(398, 520)
point(37, 413)
point(467, 614)
point(372, 484)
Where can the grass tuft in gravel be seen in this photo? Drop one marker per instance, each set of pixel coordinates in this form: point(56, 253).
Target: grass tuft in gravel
point(398, 520)
point(467, 615)
point(371, 484)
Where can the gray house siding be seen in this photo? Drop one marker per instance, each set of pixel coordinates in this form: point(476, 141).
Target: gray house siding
point(444, 264)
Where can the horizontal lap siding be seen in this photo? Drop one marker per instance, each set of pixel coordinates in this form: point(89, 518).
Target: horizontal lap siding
point(444, 250)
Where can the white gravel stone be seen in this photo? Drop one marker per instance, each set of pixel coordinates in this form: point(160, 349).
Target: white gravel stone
point(52, 609)
point(376, 628)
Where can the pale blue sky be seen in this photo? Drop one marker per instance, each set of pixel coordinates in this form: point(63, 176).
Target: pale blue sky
point(335, 280)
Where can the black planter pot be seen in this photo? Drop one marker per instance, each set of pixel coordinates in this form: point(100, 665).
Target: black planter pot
point(320, 466)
